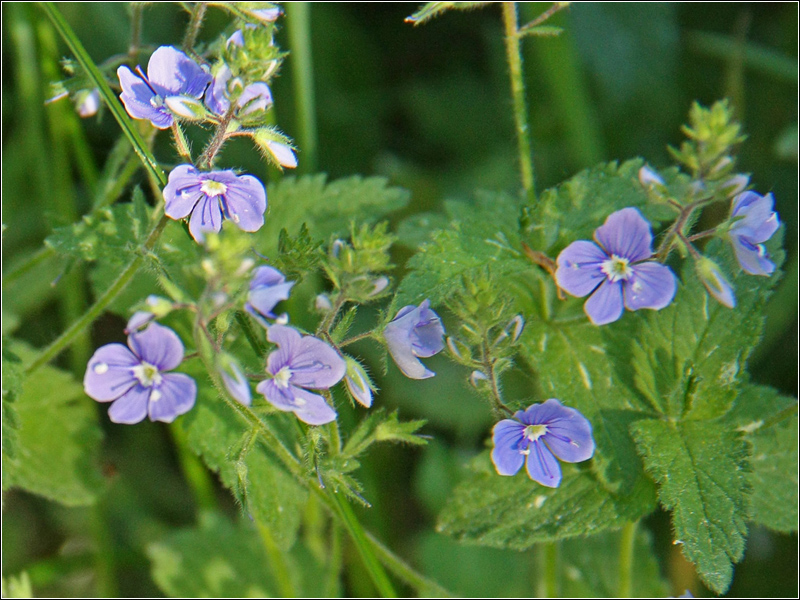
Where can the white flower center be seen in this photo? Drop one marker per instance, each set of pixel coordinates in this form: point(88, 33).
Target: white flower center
point(147, 374)
point(282, 377)
point(534, 432)
point(213, 188)
point(156, 101)
point(616, 268)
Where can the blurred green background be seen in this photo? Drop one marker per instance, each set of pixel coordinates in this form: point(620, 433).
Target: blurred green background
point(429, 107)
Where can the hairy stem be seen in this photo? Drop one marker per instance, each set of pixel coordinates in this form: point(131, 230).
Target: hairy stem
point(193, 29)
point(514, 57)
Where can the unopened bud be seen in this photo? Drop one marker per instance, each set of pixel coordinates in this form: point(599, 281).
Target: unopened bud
point(648, 177)
point(476, 377)
point(715, 282)
point(233, 378)
point(87, 102)
point(735, 185)
point(188, 108)
point(378, 285)
point(358, 382)
point(323, 304)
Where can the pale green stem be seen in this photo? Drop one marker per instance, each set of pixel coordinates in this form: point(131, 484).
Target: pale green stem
point(180, 142)
point(195, 24)
point(137, 8)
point(626, 557)
point(104, 555)
point(334, 567)
point(514, 57)
point(406, 573)
point(548, 570)
point(298, 23)
point(364, 548)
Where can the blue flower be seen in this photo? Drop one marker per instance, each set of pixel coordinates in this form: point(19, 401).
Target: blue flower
point(416, 332)
point(616, 270)
point(170, 73)
point(134, 379)
point(301, 362)
point(267, 288)
point(756, 223)
point(538, 436)
point(255, 97)
point(210, 197)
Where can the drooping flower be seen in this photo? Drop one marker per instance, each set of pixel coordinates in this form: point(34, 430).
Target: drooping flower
point(233, 378)
point(267, 288)
point(169, 73)
point(756, 222)
point(255, 97)
point(135, 379)
point(210, 197)
point(301, 363)
point(616, 270)
point(538, 436)
point(282, 153)
point(416, 332)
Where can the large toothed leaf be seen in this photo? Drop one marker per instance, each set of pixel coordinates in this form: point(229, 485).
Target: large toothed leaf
point(515, 512)
point(700, 468)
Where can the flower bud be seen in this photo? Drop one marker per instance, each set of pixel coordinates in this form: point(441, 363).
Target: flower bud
point(735, 185)
point(715, 282)
point(648, 177)
point(378, 285)
point(476, 377)
point(358, 382)
point(188, 108)
point(87, 102)
point(322, 303)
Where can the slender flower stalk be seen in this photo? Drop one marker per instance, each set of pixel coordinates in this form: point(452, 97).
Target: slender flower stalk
point(514, 57)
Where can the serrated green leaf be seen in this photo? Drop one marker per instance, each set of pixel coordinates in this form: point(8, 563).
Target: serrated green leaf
point(17, 587)
point(481, 234)
point(216, 559)
point(326, 208)
point(691, 355)
point(58, 439)
point(272, 495)
point(380, 427)
point(111, 233)
point(434, 9)
point(575, 208)
point(515, 512)
point(12, 386)
point(700, 470)
point(590, 568)
point(768, 421)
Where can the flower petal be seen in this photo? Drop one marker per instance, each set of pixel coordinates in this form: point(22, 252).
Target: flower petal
point(569, 433)
point(174, 396)
point(246, 202)
point(314, 364)
point(627, 234)
point(182, 192)
point(542, 465)
point(108, 374)
point(753, 258)
point(176, 73)
point(427, 336)
point(158, 346)
point(579, 268)
point(131, 407)
point(506, 455)
point(206, 216)
point(136, 96)
point(236, 383)
point(605, 305)
point(652, 285)
point(312, 408)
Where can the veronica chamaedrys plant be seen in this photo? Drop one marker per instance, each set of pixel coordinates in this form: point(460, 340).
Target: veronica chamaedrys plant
point(267, 288)
point(416, 332)
point(755, 222)
point(135, 379)
point(301, 363)
point(255, 97)
point(539, 435)
point(170, 74)
point(616, 269)
point(210, 197)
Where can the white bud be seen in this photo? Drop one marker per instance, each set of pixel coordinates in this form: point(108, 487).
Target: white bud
point(186, 107)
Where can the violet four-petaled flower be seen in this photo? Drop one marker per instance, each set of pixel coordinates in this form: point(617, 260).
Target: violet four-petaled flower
point(416, 332)
point(538, 436)
point(757, 222)
point(135, 378)
point(169, 73)
point(213, 196)
point(616, 270)
point(300, 363)
point(267, 288)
